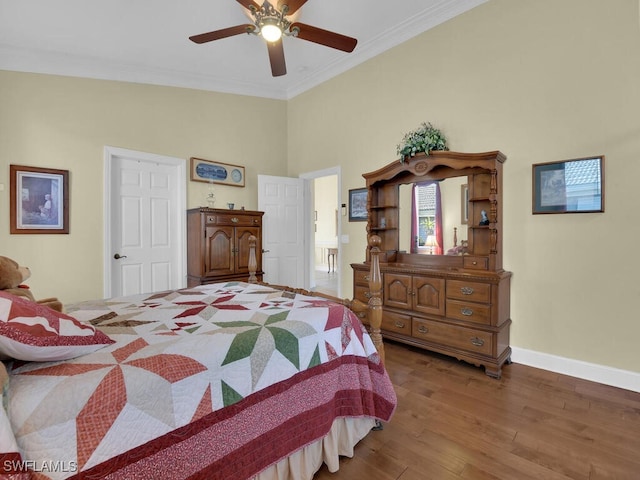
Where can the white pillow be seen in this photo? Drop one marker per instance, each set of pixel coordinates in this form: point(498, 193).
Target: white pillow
point(33, 332)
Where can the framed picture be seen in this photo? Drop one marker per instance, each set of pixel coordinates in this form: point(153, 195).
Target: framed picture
point(464, 204)
point(39, 200)
point(570, 186)
point(358, 205)
point(215, 172)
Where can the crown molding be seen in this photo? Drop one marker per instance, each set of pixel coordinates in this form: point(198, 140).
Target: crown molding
point(56, 63)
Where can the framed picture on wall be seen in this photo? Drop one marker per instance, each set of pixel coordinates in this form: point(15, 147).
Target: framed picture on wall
point(358, 205)
point(570, 186)
point(216, 172)
point(39, 200)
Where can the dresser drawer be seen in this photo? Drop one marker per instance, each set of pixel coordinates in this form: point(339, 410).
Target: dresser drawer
point(232, 219)
point(469, 291)
point(475, 263)
point(361, 293)
point(396, 322)
point(469, 312)
point(361, 277)
point(453, 336)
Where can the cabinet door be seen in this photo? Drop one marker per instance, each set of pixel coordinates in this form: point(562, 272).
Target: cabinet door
point(218, 255)
point(242, 248)
point(397, 291)
point(429, 295)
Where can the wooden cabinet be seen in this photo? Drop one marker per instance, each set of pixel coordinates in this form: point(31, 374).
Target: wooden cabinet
point(458, 305)
point(450, 312)
point(218, 244)
point(414, 292)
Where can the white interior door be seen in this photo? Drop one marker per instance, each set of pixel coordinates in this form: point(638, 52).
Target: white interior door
point(282, 201)
point(145, 222)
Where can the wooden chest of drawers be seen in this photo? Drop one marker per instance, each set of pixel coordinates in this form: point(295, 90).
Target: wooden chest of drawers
point(459, 313)
point(218, 245)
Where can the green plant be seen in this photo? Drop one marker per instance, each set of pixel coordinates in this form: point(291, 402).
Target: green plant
point(423, 139)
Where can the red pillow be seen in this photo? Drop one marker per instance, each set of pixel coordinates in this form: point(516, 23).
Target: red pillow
point(33, 332)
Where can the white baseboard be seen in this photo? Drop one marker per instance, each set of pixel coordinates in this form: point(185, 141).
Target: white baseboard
point(576, 368)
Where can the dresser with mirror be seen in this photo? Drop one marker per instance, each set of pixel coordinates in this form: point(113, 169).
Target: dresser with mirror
point(439, 219)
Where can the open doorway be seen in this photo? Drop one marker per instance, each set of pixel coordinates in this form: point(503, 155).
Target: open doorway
point(322, 200)
point(325, 234)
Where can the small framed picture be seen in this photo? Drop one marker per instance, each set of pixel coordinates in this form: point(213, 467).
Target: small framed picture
point(570, 186)
point(39, 200)
point(216, 172)
point(358, 205)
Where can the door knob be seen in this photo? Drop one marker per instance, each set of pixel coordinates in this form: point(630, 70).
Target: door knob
point(117, 256)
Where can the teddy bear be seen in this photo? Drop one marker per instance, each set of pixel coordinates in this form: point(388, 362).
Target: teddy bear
point(11, 277)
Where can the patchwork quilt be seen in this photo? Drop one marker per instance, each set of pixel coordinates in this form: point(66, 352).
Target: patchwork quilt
point(217, 381)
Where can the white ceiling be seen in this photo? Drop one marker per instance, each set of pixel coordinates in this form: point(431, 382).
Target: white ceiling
point(146, 41)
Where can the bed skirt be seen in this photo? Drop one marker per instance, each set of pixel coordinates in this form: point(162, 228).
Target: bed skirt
point(345, 433)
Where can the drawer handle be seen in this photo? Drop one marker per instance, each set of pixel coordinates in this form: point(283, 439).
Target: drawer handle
point(466, 290)
point(367, 294)
point(234, 220)
point(478, 342)
point(467, 312)
point(367, 277)
point(399, 324)
point(423, 329)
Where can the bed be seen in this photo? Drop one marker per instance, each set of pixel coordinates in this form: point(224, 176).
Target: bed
point(220, 381)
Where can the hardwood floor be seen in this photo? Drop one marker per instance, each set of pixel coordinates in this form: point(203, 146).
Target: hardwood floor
point(326, 282)
point(454, 422)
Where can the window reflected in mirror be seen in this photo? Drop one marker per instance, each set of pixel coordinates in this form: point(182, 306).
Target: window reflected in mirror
point(430, 217)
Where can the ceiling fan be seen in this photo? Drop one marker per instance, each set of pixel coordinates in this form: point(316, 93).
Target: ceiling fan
point(272, 24)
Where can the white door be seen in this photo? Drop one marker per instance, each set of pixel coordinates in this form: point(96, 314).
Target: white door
point(282, 201)
point(145, 202)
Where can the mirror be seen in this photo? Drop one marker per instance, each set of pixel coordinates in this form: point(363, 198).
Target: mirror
point(451, 201)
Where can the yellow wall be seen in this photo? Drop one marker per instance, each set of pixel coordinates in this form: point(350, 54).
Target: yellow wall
point(541, 81)
point(61, 122)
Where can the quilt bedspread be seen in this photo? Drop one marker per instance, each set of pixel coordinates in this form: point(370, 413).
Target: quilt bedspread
point(198, 382)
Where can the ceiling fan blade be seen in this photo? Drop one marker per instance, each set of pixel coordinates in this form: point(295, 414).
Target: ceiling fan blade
point(248, 4)
point(224, 33)
point(276, 57)
point(324, 37)
point(293, 5)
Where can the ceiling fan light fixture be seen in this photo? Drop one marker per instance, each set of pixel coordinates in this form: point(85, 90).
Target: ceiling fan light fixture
point(272, 24)
point(271, 32)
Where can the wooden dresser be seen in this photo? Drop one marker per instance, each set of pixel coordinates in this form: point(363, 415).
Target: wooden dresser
point(218, 244)
point(458, 305)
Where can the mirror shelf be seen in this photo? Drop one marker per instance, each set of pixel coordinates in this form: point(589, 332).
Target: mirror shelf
point(465, 243)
